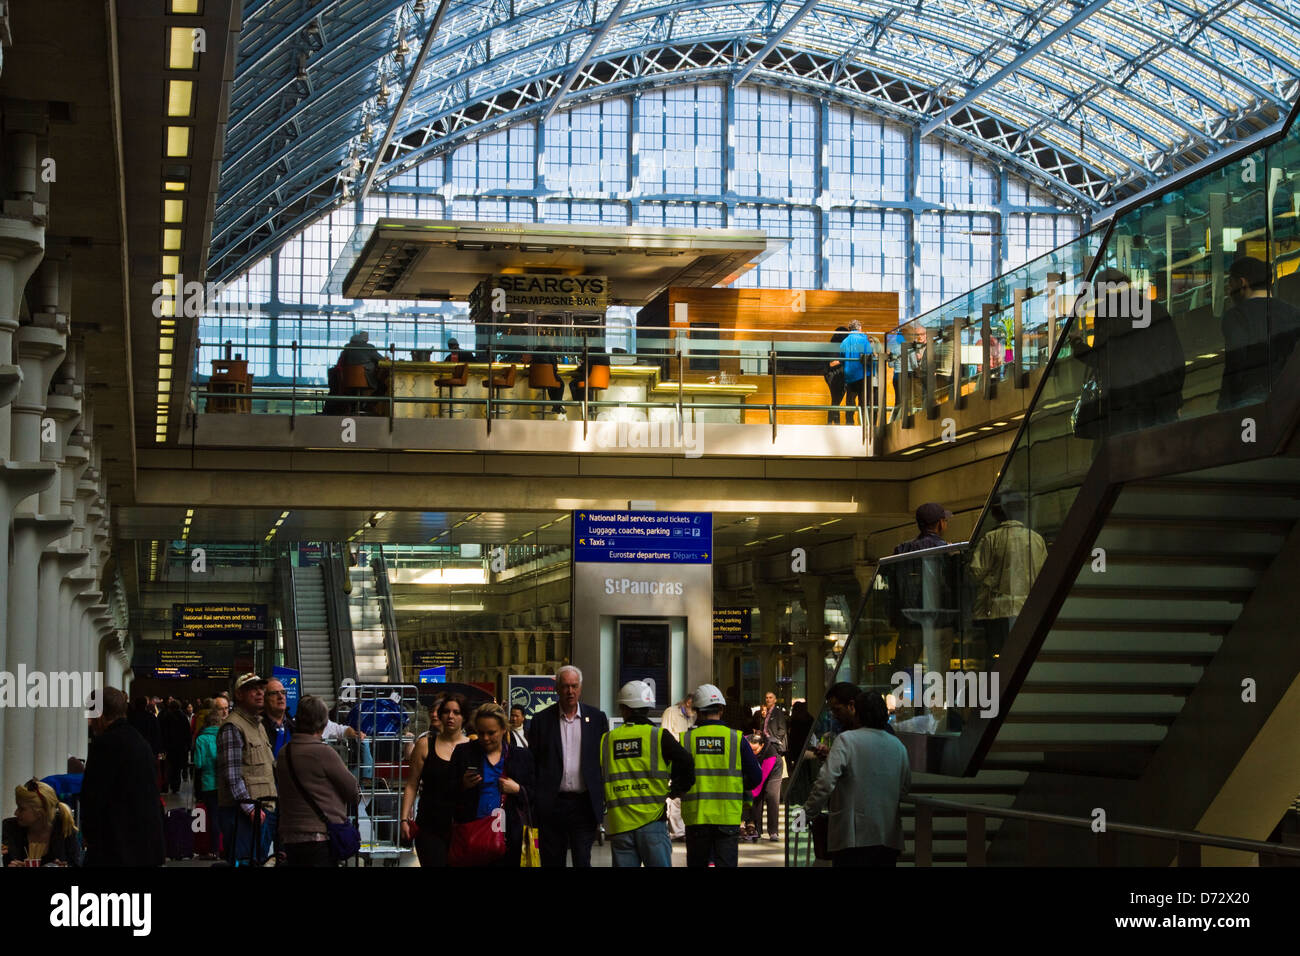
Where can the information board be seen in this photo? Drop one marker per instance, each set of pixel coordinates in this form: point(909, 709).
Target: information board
point(428, 658)
point(654, 537)
point(643, 655)
point(731, 624)
point(220, 621)
point(184, 659)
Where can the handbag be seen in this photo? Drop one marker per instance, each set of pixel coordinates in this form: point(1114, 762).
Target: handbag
point(477, 843)
point(1085, 419)
point(480, 842)
point(344, 838)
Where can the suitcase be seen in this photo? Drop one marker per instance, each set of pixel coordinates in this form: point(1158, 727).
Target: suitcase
point(179, 833)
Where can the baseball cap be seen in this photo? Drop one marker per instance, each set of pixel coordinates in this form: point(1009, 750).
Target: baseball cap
point(1252, 270)
point(930, 512)
point(249, 680)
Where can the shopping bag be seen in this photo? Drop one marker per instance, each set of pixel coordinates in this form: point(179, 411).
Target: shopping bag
point(530, 854)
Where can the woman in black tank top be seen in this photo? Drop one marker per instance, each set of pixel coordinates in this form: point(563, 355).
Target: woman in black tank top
point(430, 775)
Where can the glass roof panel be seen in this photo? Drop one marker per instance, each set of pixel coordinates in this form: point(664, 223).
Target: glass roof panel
point(1151, 82)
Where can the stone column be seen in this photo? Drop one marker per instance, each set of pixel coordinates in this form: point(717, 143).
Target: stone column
point(813, 647)
point(63, 409)
point(40, 350)
point(70, 725)
point(22, 245)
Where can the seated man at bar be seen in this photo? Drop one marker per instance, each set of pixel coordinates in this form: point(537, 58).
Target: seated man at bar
point(547, 352)
point(359, 351)
point(457, 354)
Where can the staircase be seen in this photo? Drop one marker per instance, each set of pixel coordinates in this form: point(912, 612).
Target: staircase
point(1151, 667)
point(315, 658)
point(1183, 555)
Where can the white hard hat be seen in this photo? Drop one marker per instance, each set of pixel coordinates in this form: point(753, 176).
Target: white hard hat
point(636, 694)
point(706, 696)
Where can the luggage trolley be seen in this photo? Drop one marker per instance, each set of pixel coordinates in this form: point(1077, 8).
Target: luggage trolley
point(382, 712)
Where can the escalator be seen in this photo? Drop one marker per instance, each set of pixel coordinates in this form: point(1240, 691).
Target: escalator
point(1144, 667)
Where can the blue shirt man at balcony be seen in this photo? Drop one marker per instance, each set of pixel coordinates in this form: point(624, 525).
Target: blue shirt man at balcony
point(852, 349)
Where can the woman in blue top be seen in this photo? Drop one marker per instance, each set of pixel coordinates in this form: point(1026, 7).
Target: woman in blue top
point(493, 774)
point(854, 346)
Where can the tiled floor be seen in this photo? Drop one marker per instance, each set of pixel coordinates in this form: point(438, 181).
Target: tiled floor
point(762, 853)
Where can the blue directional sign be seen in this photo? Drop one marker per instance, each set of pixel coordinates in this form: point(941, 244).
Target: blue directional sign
point(432, 675)
point(649, 537)
point(290, 678)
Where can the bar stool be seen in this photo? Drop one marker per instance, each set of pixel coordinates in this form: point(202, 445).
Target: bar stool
point(459, 378)
point(500, 381)
point(597, 380)
point(541, 376)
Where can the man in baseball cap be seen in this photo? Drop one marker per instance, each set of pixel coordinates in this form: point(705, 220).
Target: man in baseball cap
point(931, 522)
point(246, 775)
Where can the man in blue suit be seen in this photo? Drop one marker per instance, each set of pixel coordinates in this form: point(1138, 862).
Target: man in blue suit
point(568, 797)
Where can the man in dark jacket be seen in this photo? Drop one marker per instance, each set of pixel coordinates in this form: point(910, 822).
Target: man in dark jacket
point(176, 743)
point(569, 800)
point(121, 817)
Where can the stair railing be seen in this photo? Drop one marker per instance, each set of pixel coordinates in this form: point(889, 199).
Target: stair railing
point(1187, 843)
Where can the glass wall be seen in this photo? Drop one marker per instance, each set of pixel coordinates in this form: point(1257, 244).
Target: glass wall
point(845, 194)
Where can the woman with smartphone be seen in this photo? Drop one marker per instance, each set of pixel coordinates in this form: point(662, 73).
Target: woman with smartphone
point(493, 776)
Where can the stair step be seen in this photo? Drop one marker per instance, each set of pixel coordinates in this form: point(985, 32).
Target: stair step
point(1072, 746)
point(1200, 626)
point(1192, 658)
point(1180, 689)
point(1232, 595)
point(1109, 717)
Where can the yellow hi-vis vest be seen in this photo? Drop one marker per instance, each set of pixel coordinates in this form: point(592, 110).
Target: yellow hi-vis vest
point(718, 797)
point(636, 777)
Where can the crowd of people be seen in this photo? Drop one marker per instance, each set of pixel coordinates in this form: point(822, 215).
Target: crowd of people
point(498, 791)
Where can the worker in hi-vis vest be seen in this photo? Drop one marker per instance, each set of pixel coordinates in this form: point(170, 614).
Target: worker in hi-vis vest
point(726, 770)
point(642, 766)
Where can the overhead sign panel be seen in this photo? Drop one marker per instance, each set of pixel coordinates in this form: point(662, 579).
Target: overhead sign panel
point(221, 621)
point(431, 658)
point(181, 659)
point(731, 624)
point(653, 537)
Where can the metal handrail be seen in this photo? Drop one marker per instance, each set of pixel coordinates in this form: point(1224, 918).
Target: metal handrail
point(1188, 837)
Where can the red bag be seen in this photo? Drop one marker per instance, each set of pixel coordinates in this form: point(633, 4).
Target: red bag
point(478, 843)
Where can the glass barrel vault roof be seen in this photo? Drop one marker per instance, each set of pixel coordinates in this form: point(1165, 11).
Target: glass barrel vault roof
point(1094, 101)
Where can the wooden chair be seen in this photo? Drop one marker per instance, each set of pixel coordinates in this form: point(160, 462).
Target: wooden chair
point(459, 378)
point(541, 376)
point(230, 377)
point(500, 381)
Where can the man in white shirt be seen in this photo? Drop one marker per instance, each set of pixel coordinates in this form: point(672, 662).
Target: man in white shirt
point(569, 800)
